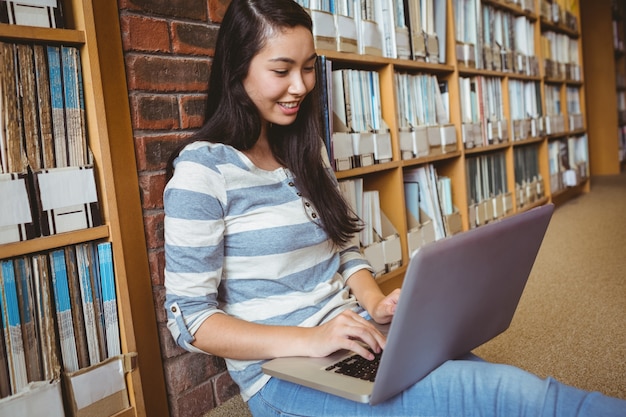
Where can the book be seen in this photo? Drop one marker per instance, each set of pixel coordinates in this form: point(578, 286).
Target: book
point(5, 379)
point(109, 298)
point(65, 324)
point(46, 314)
point(384, 15)
point(44, 106)
point(29, 105)
point(13, 152)
point(26, 305)
point(412, 11)
point(91, 250)
point(78, 315)
point(88, 306)
point(323, 68)
point(74, 106)
point(440, 29)
point(57, 103)
point(12, 328)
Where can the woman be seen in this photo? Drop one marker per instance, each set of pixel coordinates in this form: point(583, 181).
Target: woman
point(258, 261)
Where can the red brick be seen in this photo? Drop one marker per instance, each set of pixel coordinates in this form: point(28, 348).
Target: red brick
point(188, 370)
point(193, 39)
point(225, 388)
point(190, 9)
point(169, 347)
point(153, 223)
point(158, 294)
point(194, 402)
point(146, 34)
point(151, 186)
point(156, 258)
point(217, 8)
point(167, 73)
point(192, 111)
point(154, 112)
point(153, 152)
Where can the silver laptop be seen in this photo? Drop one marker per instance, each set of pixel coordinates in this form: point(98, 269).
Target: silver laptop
point(458, 293)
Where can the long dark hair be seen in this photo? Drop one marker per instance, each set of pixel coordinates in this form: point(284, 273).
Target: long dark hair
point(233, 119)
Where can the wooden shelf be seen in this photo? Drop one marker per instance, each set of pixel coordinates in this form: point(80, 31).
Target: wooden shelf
point(41, 244)
point(388, 177)
point(37, 34)
point(97, 35)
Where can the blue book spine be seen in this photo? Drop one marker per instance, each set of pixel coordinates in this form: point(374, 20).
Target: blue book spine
point(72, 103)
point(26, 304)
point(64, 310)
point(12, 328)
point(58, 107)
point(89, 312)
point(109, 298)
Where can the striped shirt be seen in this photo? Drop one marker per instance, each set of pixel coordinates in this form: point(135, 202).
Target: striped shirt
point(242, 241)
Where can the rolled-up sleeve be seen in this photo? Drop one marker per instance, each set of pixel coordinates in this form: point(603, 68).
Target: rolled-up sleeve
point(194, 245)
point(351, 261)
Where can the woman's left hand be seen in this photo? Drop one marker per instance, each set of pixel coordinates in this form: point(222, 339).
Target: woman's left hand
point(384, 310)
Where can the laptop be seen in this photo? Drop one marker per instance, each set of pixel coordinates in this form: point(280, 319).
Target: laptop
point(458, 293)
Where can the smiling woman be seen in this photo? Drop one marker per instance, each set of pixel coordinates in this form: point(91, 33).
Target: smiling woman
point(281, 75)
point(257, 243)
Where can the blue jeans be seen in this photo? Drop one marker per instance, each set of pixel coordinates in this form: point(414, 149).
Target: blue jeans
point(461, 388)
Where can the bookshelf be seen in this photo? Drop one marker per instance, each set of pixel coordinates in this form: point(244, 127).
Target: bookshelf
point(619, 45)
point(604, 60)
point(559, 80)
point(93, 27)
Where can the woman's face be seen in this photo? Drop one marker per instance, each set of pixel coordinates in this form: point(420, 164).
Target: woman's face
point(281, 74)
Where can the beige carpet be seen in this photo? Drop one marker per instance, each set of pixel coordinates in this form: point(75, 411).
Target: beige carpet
point(571, 321)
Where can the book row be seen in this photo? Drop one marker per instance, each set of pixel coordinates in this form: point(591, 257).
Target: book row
point(568, 161)
point(59, 314)
point(357, 134)
point(47, 183)
point(529, 186)
point(379, 239)
point(502, 39)
point(42, 117)
point(488, 193)
point(487, 36)
point(404, 29)
point(430, 215)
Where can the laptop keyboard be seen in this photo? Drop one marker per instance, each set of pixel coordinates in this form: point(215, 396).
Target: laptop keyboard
point(357, 367)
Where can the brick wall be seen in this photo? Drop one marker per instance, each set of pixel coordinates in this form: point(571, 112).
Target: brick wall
point(168, 45)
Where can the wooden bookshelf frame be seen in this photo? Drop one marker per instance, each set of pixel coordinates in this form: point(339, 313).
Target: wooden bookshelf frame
point(96, 32)
point(602, 63)
point(387, 177)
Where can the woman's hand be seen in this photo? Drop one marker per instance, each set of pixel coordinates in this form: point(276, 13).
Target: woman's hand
point(383, 311)
point(348, 331)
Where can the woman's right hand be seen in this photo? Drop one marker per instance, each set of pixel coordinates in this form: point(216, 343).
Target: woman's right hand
point(348, 331)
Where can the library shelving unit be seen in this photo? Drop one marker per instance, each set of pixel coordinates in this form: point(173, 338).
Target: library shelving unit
point(93, 27)
point(387, 177)
point(619, 45)
point(604, 81)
